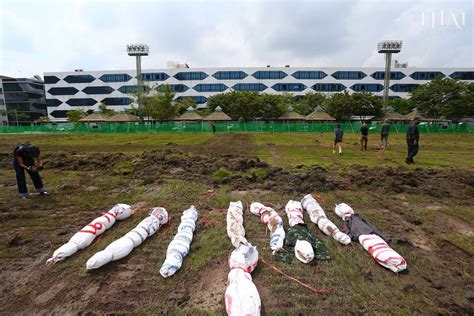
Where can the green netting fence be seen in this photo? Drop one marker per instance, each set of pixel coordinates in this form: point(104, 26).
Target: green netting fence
point(231, 127)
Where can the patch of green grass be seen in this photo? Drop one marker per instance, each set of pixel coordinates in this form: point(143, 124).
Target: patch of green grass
point(221, 174)
point(463, 242)
point(207, 246)
point(464, 213)
point(123, 167)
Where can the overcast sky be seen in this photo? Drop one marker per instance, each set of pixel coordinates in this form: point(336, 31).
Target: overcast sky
point(40, 36)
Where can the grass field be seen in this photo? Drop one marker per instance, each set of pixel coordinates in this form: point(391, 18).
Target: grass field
point(426, 209)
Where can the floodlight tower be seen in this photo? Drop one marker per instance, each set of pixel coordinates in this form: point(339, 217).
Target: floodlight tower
point(388, 48)
point(138, 50)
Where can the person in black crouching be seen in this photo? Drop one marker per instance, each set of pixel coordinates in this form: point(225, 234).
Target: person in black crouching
point(27, 157)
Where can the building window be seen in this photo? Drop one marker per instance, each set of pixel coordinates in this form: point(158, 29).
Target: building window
point(36, 86)
point(16, 96)
point(174, 87)
point(116, 101)
point(269, 75)
point(249, 87)
point(133, 89)
point(98, 90)
point(463, 75)
point(115, 78)
point(59, 114)
point(210, 87)
point(81, 102)
point(50, 79)
point(289, 87)
point(12, 87)
point(63, 91)
point(394, 75)
point(347, 75)
point(329, 87)
point(426, 75)
point(309, 75)
point(230, 75)
point(53, 102)
point(79, 79)
point(408, 87)
point(198, 99)
point(372, 87)
point(193, 75)
point(154, 76)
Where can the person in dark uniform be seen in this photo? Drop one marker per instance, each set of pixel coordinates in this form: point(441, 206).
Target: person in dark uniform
point(213, 126)
point(338, 135)
point(384, 131)
point(364, 136)
point(24, 157)
point(413, 138)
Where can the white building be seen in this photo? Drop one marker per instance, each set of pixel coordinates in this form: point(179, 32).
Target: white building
point(86, 89)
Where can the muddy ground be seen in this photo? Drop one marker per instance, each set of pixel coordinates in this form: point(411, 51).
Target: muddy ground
point(426, 212)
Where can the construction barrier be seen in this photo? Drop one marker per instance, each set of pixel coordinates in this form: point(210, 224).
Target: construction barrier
point(231, 127)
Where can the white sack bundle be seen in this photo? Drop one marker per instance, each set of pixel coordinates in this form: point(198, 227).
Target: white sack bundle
point(382, 253)
point(318, 217)
point(235, 226)
point(343, 211)
point(88, 233)
point(179, 246)
point(274, 223)
point(121, 247)
point(294, 211)
point(244, 257)
point(241, 296)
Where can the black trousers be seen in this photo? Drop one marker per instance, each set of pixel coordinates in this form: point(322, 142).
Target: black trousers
point(412, 150)
point(21, 179)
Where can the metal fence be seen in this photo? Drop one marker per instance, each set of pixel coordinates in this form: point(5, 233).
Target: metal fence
point(232, 127)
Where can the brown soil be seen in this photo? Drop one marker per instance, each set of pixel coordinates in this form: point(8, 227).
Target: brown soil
point(29, 287)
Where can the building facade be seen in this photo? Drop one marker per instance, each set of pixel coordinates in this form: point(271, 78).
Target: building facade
point(22, 100)
point(87, 89)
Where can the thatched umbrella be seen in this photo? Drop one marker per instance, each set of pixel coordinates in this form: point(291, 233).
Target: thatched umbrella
point(391, 115)
point(218, 115)
point(291, 115)
point(123, 118)
point(319, 115)
point(94, 118)
point(189, 115)
point(410, 116)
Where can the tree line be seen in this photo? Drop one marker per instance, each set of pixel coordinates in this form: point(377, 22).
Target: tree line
point(439, 98)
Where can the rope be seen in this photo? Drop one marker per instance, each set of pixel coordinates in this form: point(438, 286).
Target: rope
point(319, 198)
point(167, 226)
point(309, 287)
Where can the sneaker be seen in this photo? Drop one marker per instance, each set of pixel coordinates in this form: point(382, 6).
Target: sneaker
point(23, 197)
point(44, 193)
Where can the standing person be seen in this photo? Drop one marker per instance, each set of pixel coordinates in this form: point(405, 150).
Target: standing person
point(384, 131)
point(24, 157)
point(213, 126)
point(338, 135)
point(413, 138)
point(364, 136)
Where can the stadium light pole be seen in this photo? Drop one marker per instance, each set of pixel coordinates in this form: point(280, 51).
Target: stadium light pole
point(138, 50)
point(388, 47)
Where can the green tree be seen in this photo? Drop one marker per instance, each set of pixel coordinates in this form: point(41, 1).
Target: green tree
point(105, 110)
point(445, 97)
point(339, 105)
point(184, 104)
point(401, 105)
point(308, 102)
point(272, 106)
point(74, 116)
point(160, 106)
point(344, 105)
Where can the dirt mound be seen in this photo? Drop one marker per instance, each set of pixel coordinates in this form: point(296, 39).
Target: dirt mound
point(249, 173)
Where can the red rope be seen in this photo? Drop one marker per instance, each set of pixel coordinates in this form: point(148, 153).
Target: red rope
point(168, 225)
point(319, 198)
point(309, 287)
